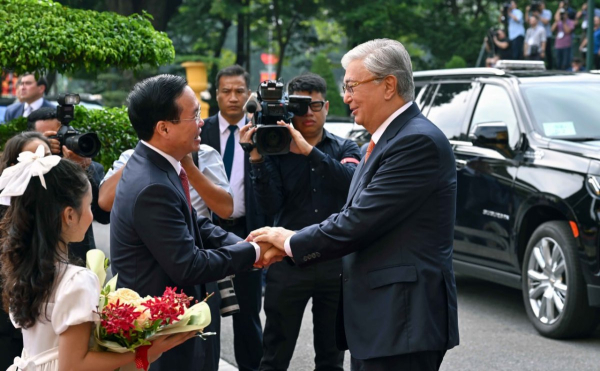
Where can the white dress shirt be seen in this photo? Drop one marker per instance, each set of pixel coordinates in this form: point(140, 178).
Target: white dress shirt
point(28, 108)
point(236, 181)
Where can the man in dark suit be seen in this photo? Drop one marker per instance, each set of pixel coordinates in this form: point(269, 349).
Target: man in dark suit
point(156, 239)
point(398, 305)
point(222, 132)
point(31, 96)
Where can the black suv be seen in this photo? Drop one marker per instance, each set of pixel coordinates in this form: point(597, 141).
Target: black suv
point(527, 149)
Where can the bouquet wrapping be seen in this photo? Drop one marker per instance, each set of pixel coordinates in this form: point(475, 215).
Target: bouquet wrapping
point(129, 321)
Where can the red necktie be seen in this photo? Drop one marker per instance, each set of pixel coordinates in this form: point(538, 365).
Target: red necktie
point(369, 150)
point(186, 186)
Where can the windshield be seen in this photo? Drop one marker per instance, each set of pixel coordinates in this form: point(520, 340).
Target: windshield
point(567, 111)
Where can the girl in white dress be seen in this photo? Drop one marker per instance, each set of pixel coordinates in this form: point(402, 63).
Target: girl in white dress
point(53, 301)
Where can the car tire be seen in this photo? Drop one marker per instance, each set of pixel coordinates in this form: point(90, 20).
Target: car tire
point(554, 291)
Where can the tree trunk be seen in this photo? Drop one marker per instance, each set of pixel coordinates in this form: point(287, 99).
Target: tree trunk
point(161, 10)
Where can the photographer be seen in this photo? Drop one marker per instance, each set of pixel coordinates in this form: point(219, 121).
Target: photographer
point(516, 30)
point(44, 120)
point(301, 188)
point(535, 41)
point(563, 27)
point(499, 47)
point(544, 15)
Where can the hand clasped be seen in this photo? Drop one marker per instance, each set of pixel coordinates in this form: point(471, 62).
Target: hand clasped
point(271, 241)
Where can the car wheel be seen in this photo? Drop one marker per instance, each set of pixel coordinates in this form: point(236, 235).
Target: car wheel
point(554, 290)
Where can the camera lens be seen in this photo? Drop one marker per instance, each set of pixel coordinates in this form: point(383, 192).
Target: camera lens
point(273, 140)
point(229, 303)
point(85, 145)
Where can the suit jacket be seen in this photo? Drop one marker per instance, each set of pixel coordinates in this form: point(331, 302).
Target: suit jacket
point(15, 110)
point(396, 234)
point(255, 216)
point(156, 241)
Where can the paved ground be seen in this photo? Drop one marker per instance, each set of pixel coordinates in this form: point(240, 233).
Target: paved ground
point(495, 334)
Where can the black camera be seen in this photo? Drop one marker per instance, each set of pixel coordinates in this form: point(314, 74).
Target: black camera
point(84, 145)
point(268, 106)
point(535, 6)
point(229, 303)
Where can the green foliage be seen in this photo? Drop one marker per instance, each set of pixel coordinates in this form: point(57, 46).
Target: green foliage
point(9, 129)
point(456, 62)
point(41, 35)
point(111, 124)
point(322, 66)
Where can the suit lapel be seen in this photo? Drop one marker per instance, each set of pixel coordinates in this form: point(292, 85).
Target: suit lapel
point(392, 130)
point(213, 133)
point(164, 165)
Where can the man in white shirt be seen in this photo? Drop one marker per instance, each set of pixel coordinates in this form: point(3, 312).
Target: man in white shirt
point(222, 132)
point(31, 96)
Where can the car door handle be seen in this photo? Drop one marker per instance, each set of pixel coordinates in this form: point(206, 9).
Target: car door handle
point(460, 164)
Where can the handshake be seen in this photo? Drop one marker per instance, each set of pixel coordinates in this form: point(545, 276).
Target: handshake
point(271, 241)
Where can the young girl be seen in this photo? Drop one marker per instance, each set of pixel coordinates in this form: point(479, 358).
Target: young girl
point(51, 300)
point(11, 341)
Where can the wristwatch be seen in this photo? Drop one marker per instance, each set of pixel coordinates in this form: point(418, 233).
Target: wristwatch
point(247, 147)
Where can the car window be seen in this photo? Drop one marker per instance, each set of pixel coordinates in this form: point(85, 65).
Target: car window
point(449, 106)
point(494, 105)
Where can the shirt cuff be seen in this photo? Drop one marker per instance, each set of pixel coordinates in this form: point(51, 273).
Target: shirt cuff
point(287, 247)
point(257, 248)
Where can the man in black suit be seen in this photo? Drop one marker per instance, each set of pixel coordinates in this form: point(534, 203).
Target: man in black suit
point(31, 95)
point(156, 239)
point(222, 132)
point(398, 305)
point(301, 188)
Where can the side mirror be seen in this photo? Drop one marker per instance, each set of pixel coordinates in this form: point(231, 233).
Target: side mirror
point(492, 135)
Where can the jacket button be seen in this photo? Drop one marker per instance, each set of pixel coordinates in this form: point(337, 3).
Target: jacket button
point(345, 280)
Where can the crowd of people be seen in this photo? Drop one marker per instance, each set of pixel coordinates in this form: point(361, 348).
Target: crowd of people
point(555, 38)
point(379, 223)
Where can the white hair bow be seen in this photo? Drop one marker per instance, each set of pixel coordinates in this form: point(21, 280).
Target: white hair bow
point(15, 179)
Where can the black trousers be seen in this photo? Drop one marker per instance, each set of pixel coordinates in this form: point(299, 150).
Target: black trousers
point(420, 361)
point(516, 46)
point(288, 290)
point(247, 329)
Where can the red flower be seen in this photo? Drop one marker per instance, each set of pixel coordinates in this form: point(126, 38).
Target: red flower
point(118, 318)
point(168, 307)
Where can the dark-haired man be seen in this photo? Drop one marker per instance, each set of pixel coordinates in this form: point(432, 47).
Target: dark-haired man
point(298, 189)
point(31, 96)
point(156, 238)
point(222, 132)
point(45, 121)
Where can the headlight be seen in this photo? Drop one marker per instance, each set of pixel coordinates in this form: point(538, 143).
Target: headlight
point(593, 185)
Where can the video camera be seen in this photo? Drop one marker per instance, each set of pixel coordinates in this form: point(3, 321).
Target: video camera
point(84, 145)
point(269, 105)
point(535, 6)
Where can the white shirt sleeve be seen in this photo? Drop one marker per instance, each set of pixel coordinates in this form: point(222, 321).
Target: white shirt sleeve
point(76, 300)
point(118, 164)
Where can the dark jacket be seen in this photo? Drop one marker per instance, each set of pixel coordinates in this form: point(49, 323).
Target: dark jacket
point(395, 234)
point(15, 110)
point(156, 241)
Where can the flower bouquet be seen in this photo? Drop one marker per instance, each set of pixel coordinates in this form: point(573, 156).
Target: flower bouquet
point(128, 322)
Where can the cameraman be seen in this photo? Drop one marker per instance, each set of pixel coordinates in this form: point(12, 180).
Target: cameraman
point(544, 15)
point(535, 41)
point(563, 26)
point(499, 48)
point(301, 188)
point(516, 30)
point(44, 120)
